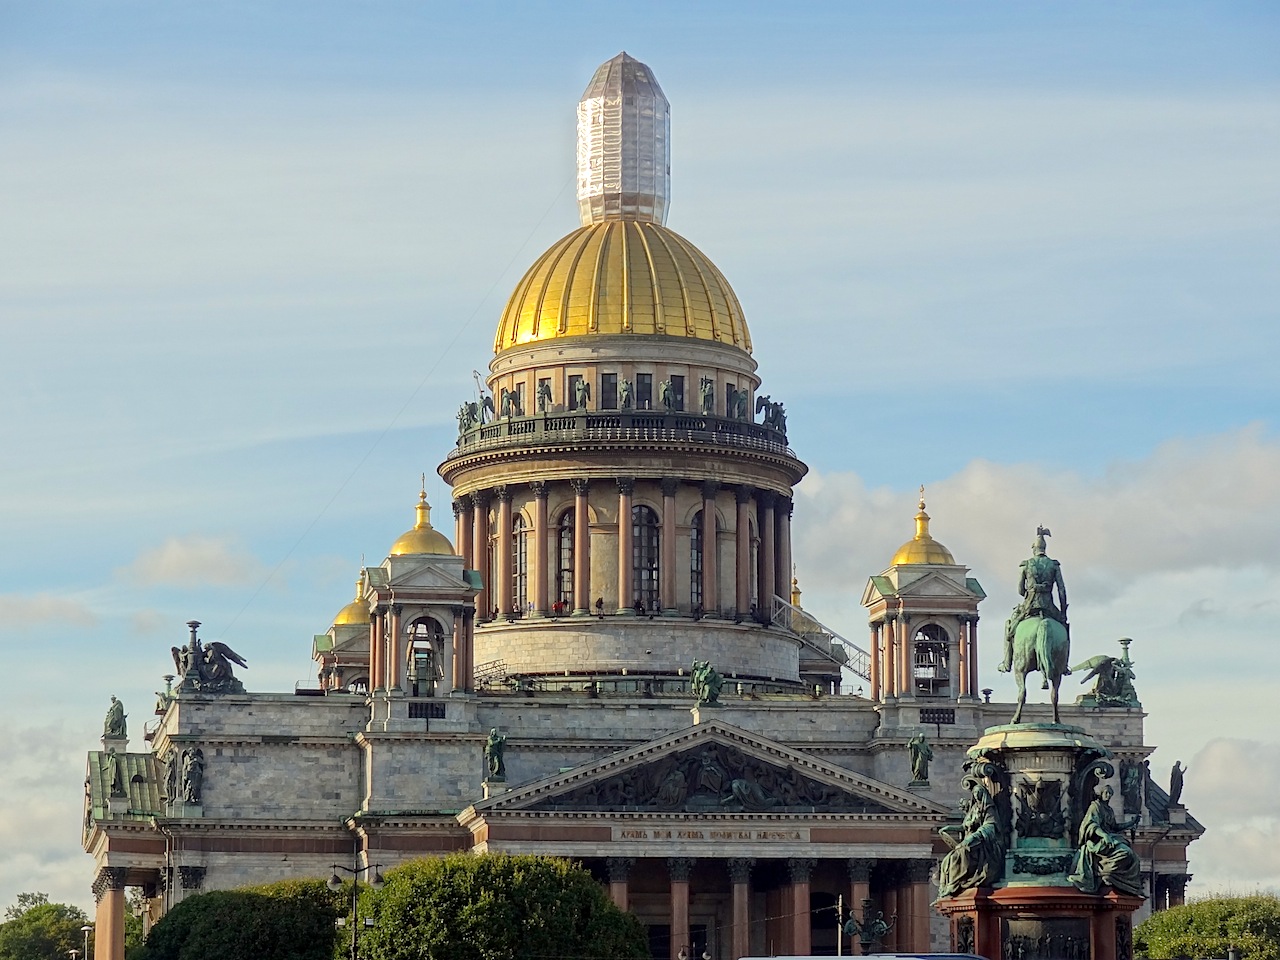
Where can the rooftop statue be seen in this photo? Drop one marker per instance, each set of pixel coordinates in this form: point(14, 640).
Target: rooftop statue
point(544, 396)
point(1176, 776)
point(706, 684)
point(206, 668)
point(113, 727)
point(495, 761)
point(625, 394)
point(192, 785)
point(1036, 635)
point(510, 400)
point(707, 394)
point(921, 754)
point(581, 393)
point(667, 395)
point(1114, 686)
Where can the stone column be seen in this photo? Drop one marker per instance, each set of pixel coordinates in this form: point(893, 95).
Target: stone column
point(505, 598)
point(710, 550)
point(893, 908)
point(768, 558)
point(973, 658)
point(679, 868)
point(480, 552)
point(962, 664)
point(918, 878)
point(953, 666)
point(783, 576)
point(906, 659)
point(462, 531)
point(668, 572)
point(377, 679)
point(581, 548)
point(395, 652)
point(1178, 889)
point(800, 869)
point(859, 890)
point(108, 933)
point(874, 661)
point(626, 537)
point(465, 527)
point(890, 657)
point(469, 659)
point(619, 869)
point(742, 552)
point(454, 653)
point(540, 570)
point(740, 877)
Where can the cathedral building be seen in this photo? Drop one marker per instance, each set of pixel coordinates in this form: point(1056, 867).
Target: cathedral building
point(608, 659)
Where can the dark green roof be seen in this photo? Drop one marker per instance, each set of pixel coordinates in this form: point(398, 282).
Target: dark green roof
point(142, 774)
point(975, 588)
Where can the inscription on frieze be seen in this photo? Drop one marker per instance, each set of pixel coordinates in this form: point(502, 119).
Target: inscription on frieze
point(662, 834)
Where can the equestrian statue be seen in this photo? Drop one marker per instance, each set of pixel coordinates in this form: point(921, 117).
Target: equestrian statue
point(1036, 635)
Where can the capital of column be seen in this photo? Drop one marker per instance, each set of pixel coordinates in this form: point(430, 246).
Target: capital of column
point(619, 868)
point(918, 871)
point(890, 618)
point(669, 486)
point(580, 485)
point(539, 488)
point(860, 869)
point(740, 869)
point(791, 507)
point(680, 868)
point(108, 878)
point(800, 869)
point(767, 498)
point(744, 494)
point(503, 493)
point(458, 509)
point(626, 485)
point(397, 608)
point(480, 499)
point(710, 488)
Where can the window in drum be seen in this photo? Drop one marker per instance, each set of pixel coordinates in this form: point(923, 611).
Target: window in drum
point(519, 565)
point(564, 566)
point(608, 391)
point(644, 391)
point(677, 391)
point(695, 562)
point(644, 558)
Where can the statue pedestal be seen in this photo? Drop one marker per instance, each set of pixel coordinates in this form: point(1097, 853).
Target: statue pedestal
point(494, 788)
point(710, 709)
point(185, 811)
point(1041, 923)
point(118, 744)
point(919, 786)
point(117, 805)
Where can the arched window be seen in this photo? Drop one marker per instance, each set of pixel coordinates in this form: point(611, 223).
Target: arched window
point(564, 565)
point(424, 649)
point(644, 558)
point(930, 668)
point(519, 564)
point(753, 567)
point(695, 562)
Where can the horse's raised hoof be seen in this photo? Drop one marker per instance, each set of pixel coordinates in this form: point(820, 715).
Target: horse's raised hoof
point(1004, 668)
point(1045, 685)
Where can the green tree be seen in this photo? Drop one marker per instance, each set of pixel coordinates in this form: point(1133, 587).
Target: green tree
point(290, 920)
point(496, 907)
point(1206, 928)
point(36, 929)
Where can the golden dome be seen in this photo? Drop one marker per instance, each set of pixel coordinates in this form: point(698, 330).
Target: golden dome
point(355, 612)
point(623, 277)
point(922, 548)
point(423, 538)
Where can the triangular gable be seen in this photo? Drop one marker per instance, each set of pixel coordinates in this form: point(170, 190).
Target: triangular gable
point(428, 575)
point(878, 588)
point(713, 766)
point(934, 584)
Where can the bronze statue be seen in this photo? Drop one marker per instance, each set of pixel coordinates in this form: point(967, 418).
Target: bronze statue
point(871, 930)
point(494, 748)
point(706, 684)
point(707, 394)
point(581, 393)
point(1176, 776)
point(1036, 635)
point(544, 396)
point(1037, 578)
point(1114, 686)
point(1104, 858)
point(624, 394)
point(114, 726)
point(192, 775)
point(510, 402)
point(667, 395)
point(206, 668)
point(115, 775)
point(921, 754)
point(978, 844)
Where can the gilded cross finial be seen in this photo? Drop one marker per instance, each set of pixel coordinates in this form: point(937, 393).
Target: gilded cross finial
point(922, 496)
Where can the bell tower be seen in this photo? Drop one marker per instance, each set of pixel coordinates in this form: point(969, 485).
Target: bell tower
point(923, 612)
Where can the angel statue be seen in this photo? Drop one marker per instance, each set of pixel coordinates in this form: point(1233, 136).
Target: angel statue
point(1114, 680)
point(206, 668)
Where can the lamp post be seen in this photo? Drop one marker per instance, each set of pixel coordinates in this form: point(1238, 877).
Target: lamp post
point(85, 930)
point(335, 883)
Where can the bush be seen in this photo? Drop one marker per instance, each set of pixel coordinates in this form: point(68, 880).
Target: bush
point(1206, 928)
point(497, 907)
point(290, 920)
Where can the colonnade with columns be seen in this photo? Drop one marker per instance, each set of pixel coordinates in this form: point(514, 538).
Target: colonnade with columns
point(388, 649)
point(758, 522)
point(893, 642)
point(782, 921)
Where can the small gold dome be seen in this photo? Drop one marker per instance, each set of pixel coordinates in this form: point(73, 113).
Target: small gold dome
point(423, 538)
point(355, 612)
point(922, 548)
point(622, 277)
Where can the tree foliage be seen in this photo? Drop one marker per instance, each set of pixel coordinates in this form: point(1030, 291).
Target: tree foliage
point(290, 920)
point(497, 907)
point(35, 929)
point(1206, 928)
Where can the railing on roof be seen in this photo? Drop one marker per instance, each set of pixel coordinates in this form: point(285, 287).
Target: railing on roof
point(821, 638)
point(623, 426)
point(491, 672)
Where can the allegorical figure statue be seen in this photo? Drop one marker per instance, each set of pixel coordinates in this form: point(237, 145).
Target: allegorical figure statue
point(978, 845)
point(494, 748)
point(1038, 576)
point(544, 396)
point(625, 394)
point(667, 395)
point(115, 774)
point(581, 394)
point(206, 668)
point(921, 754)
point(1176, 776)
point(1103, 857)
point(1114, 684)
point(113, 726)
point(706, 684)
point(192, 775)
point(707, 395)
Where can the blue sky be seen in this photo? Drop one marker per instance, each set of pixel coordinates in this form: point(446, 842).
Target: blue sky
point(1022, 253)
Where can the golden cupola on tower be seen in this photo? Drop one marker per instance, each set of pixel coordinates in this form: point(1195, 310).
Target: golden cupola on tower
point(423, 538)
point(922, 548)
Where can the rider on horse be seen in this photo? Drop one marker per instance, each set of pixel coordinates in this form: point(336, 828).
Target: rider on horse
point(1037, 577)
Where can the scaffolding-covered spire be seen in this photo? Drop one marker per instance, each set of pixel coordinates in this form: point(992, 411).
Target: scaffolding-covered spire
point(624, 137)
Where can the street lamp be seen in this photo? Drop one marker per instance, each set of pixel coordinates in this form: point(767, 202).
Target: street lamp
point(85, 930)
point(335, 883)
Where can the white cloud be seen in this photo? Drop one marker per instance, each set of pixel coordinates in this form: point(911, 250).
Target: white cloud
point(195, 561)
point(44, 608)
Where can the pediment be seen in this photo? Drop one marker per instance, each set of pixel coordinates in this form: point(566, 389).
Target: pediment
point(711, 767)
point(934, 584)
point(428, 575)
